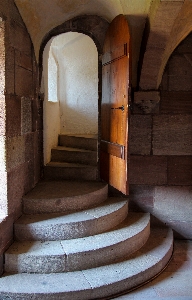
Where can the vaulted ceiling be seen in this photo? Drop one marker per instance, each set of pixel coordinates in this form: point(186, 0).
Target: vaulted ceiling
point(170, 21)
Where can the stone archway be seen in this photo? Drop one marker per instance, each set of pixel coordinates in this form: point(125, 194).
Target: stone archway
point(92, 26)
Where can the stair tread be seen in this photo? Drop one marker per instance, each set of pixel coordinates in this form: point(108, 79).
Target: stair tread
point(63, 188)
point(68, 165)
point(86, 136)
point(65, 148)
point(64, 196)
point(96, 282)
point(78, 224)
point(82, 252)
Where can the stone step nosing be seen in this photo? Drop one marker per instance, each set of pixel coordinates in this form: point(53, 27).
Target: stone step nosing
point(66, 204)
point(104, 281)
point(90, 252)
point(58, 227)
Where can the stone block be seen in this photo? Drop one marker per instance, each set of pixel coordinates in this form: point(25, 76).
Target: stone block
point(172, 135)
point(3, 195)
point(6, 229)
point(176, 102)
point(180, 170)
point(173, 202)
point(37, 114)
point(15, 151)
point(148, 170)
point(15, 188)
point(140, 134)
point(141, 197)
point(1, 264)
point(149, 78)
point(23, 60)
point(180, 73)
point(19, 37)
point(29, 182)
point(10, 71)
point(2, 57)
point(29, 147)
point(182, 229)
point(13, 118)
point(23, 82)
point(26, 115)
point(2, 116)
point(2, 153)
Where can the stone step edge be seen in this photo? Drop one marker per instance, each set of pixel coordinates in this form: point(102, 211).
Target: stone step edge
point(45, 227)
point(96, 283)
point(67, 204)
point(57, 164)
point(73, 149)
point(82, 253)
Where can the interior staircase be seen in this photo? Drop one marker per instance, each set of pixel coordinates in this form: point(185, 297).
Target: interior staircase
point(75, 242)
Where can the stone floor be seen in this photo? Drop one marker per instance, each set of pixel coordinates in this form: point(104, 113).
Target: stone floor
point(175, 283)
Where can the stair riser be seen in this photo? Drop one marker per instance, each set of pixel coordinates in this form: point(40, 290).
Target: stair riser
point(70, 173)
point(78, 142)
point(24, 263)
point(55, 232)
point(65, 205)
point(102, 282)
point(87, 158)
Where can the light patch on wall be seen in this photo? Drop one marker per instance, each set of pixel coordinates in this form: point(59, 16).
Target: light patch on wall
point(52, 77)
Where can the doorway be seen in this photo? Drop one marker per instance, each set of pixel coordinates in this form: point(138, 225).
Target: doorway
point(70, 87)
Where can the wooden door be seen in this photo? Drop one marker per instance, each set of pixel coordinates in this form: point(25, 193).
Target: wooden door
point(115, 105)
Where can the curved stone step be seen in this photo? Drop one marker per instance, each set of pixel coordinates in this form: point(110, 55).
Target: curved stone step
point(69, 171)
point(52, 227)
point(74, 155)
point(82, 253)
point(88, 142)
point(101, 282)
point(64, 196)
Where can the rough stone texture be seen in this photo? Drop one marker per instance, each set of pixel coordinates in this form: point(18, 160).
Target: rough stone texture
point(26, 115)
point(15, 151)
point(15, 188)
point(179, 102)
point(147, 102)
point(2, 57)
point(3, 115)
point(148, 170)
point(6, 229)
point(23, 82)
point(19, 38)
point(141, 197)
point(172, 135)
point(173, 205)
point(140, 134)
point(180, 170)
point(10, 71)
point(17, 69)
point(13, 115)
point(180, 71)
point(23, 60)
point(3, 195)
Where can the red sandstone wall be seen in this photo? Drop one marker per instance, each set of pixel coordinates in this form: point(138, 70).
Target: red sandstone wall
point(161, 147)
point(20, 117)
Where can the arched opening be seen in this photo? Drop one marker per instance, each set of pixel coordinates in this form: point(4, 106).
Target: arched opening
point(70, 86)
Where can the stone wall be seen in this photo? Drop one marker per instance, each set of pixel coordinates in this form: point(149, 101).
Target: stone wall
point(20, 119)
point(161, 145)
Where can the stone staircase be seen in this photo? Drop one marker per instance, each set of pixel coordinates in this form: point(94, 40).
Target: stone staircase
point(75, 242)
point(75, 157)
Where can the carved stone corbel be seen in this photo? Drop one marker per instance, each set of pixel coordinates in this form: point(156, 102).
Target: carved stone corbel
point(146, 102)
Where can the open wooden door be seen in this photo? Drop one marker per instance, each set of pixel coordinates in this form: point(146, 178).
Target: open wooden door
point(115, 105)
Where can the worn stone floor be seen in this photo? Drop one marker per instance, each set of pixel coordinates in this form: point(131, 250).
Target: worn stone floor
point(175, 283)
